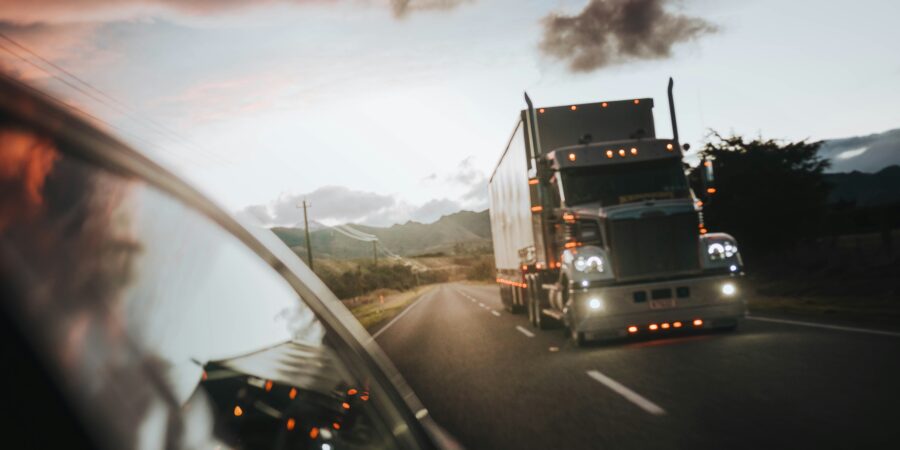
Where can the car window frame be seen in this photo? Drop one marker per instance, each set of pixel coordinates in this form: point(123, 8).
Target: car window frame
point(395, 402)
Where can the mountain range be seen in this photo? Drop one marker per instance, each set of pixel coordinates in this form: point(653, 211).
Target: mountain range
point(869, 153)
point(461, 232)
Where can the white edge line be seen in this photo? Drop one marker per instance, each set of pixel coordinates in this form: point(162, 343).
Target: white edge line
point(630, 395)
point(524, 331)
point(495, 313)
point(825, 326)
point(402, 313)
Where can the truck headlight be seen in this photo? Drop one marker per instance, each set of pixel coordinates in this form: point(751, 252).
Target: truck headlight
point(728, 289)
point(589, 264)
point(721, 250)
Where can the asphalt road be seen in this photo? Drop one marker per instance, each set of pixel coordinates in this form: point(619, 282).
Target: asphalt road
point(494, 382)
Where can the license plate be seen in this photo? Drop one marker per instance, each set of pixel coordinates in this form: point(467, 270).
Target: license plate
point(662, 304)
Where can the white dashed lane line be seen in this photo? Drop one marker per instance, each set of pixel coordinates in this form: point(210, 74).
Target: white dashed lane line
point(495, 313)
point(524, 331)
point(629, 395)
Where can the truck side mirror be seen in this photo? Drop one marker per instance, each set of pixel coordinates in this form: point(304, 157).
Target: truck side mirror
point(708, 177)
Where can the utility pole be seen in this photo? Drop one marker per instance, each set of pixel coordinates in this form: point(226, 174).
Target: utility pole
point(309, 258)
point(375, 251)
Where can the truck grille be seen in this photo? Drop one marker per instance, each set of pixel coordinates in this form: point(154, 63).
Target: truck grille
point(656, 246)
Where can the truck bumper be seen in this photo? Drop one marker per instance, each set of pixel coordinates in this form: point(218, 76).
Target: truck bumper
point(641, 309)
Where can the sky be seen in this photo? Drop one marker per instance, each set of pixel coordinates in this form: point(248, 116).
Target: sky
point(379, 112)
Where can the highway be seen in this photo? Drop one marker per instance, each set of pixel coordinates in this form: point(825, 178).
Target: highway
point(494, 382)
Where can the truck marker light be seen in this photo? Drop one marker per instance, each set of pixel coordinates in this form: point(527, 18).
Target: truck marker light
point(345, 405)
point(664, 326)
point(268, 385)
point(524, 267)
point(352, 392)
point(604, 104)
point(703, 231)
point(293, 393)
point(636, 101)
point(572, 157)
point(711, 190)
point(537, 208)
point(677, 324)
point(568, 217)
point(707, 163)
point(609, 153)
point(539, 266)
point(291, 423)
point(533, 181)
point(558, 264)
point(653, 327)
point(238, 412)
point(669, 146)
point(571, 244)
point(633, 151)
point(573, 107)
point(314, 433)
point(541, 110)
point(699, 203)
point(336, 426)
point(632, 329)
point(622, 152)
point(728, 289)
point(698, 322)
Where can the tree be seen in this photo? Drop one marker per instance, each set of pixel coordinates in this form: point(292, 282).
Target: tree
point(770, 195)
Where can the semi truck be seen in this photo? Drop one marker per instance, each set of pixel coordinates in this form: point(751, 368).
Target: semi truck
point(595, 226)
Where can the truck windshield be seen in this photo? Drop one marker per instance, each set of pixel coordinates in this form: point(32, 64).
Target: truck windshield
point(625, 183)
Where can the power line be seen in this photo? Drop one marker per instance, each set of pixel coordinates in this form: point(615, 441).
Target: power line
point(98, 95)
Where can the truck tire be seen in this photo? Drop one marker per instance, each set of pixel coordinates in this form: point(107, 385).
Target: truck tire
point(530, 304)
point(577, 338)
point(518, 308)
point(541, 322)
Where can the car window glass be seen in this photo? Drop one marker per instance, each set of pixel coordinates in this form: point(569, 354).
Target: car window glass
point(165, 329)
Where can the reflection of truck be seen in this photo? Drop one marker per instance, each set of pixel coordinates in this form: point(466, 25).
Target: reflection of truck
point(594, 225)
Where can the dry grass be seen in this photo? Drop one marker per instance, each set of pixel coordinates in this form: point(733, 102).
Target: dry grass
point(370, 311)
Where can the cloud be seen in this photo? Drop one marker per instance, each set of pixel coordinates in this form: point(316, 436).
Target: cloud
point(333, 205)
point(475, 182)
point(869, 153)
point(70, 11)
point(434, 209)
point(403, 7)
point(610, 32)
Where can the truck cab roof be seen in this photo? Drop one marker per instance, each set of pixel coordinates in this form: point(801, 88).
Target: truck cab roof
point(605, 121)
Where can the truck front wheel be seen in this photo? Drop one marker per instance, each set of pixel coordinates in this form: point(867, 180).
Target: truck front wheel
point(577, 338)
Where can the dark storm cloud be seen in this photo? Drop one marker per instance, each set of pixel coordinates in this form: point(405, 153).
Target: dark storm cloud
point(609, 32)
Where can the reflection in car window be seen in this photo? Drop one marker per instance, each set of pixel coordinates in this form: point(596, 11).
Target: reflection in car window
point(165, 328)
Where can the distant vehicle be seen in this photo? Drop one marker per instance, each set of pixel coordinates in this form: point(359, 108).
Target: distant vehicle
point(135, 313)
point(594, 224)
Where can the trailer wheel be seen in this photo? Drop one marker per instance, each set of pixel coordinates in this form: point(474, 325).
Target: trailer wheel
point(520, 307)
point(531, 305)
